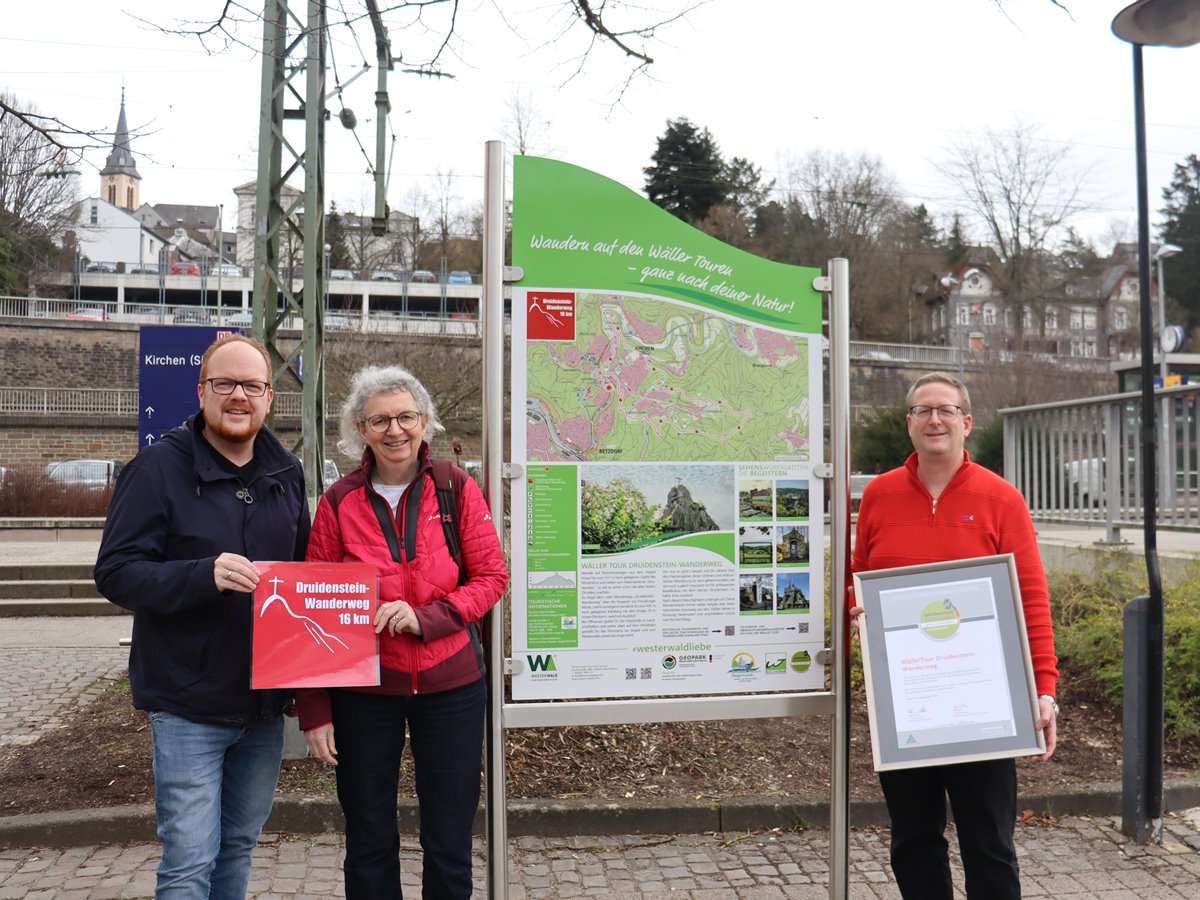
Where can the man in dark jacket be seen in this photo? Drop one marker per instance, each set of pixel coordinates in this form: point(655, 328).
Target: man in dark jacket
point(188, 516)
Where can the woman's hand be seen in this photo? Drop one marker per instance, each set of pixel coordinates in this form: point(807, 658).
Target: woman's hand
point(320, 743)
point(396, 617)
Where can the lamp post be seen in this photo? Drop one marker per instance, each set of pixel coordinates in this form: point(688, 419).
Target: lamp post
point(1166, 455)
point(948, 282)
point(1159, 255)
point(1170, 23)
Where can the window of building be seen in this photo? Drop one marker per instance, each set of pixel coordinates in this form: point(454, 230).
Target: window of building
point(1027, 322)
point(94, 216)
point(1076, 320)
point(1121, 318)
point(964, 314)
point(989, 314)
point(1089, 320)
point(112, 194)
point(1089, 347)
point(1051, 318)
point(1008, 318)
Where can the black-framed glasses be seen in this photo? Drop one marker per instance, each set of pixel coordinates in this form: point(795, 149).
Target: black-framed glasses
point(229, 385)
point(944, 412)
point(381, 423)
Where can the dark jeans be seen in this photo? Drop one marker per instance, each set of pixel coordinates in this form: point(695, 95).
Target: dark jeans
point(446, 729)
point(983, 796)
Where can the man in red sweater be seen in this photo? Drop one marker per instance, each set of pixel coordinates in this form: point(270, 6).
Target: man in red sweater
point(940, 506)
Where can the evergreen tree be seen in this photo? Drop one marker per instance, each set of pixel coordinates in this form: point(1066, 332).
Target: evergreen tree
point(687, 177)
point(340, 256)
point(1181, 226)
point(956, 242)
point(883, 442)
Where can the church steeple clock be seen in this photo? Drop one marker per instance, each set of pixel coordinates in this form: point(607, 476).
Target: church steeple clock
point(119, 179)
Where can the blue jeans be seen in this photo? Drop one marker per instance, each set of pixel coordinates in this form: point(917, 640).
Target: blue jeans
point(446, 729)
point(213, 787)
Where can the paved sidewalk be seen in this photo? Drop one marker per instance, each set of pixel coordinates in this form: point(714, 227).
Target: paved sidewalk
point(1077, 858)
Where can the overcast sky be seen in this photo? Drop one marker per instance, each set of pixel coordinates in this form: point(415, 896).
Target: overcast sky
point(902, 81)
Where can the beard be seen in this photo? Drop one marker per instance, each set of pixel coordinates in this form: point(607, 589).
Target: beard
point(236, 434)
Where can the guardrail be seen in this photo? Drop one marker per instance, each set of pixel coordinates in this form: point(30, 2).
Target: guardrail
point(1081, 461)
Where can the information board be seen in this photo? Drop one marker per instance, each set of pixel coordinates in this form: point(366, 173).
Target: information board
point(667, 536)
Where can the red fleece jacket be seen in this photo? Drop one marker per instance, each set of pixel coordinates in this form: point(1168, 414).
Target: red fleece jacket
point(978, 514)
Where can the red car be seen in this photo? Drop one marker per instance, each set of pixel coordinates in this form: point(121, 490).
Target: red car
point(185, 268)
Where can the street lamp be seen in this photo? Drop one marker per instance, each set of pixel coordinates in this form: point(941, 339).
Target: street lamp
point(948, 282)
point(1159, 255)
point(1168, 23)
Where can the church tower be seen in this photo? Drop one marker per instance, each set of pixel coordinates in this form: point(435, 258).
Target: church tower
point(119, 179)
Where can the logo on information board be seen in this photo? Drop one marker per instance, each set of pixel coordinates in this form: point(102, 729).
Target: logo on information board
point(550, 316)
point(742, 662)
point(541, 663)
point(940, 620)
point(669, 662)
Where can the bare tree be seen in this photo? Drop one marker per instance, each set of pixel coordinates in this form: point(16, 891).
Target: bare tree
point(37, 191)
point(1023, 190)
point(838, 205)
point(525, 128)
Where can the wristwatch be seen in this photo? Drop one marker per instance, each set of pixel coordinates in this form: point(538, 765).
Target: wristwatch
point(1053, 703)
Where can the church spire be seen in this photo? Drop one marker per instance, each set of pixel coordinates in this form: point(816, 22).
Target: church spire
point(119, 178)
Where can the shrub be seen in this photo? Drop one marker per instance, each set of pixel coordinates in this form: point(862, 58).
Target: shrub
point(1089, 637)
point(27, 492)
point(882, 443)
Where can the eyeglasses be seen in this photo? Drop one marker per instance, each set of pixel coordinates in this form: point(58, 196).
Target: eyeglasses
point(381, 423)
point(944, 412)
point(228, 386)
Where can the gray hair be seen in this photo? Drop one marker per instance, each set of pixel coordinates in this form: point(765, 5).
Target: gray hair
point(366, 383)
point(940, 378)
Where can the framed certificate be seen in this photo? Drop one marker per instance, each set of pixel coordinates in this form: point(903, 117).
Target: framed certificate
point(946, 660)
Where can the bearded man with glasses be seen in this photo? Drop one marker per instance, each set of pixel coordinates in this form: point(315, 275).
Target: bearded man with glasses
point(940, 506)
point(189, 515)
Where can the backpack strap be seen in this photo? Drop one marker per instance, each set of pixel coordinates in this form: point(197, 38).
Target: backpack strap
point(448, 482)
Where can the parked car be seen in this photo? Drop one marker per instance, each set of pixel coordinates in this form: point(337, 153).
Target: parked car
point(228, 270)
point(459, 276)
point(192, 315)
point(101, 267)
point(185, 268)
point(240, 320)
point(341, 275)
point(90, 313)
point(143, 269)
point(422, 276)
point(330, 472)
point(384, 275)
point(93, 474)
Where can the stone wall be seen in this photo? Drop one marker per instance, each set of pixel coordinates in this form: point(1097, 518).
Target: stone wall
point(65, 354)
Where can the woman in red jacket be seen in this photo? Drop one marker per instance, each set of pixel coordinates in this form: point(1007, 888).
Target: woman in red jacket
point(431, 674)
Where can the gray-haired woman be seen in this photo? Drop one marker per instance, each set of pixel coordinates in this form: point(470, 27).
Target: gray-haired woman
point(386, 513)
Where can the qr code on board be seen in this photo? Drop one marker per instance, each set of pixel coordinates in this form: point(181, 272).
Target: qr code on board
point(646, 672)
point(631, 674)
point(803, 628)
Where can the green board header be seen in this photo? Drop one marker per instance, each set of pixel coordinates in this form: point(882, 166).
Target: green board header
point(576, 230)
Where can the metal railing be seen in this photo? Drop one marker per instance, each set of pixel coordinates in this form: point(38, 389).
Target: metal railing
point(1081, 460)
point(94, 402)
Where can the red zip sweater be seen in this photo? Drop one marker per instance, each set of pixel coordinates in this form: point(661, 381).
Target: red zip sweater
point(442, 657)
point(978, 514)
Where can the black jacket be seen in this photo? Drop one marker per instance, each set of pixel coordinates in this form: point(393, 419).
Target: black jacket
point(173, 512)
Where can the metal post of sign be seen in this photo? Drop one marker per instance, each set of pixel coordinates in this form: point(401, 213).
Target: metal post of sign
point(839, 539)
point(492, 320)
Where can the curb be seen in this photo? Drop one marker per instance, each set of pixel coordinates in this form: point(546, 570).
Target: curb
point(559, 818)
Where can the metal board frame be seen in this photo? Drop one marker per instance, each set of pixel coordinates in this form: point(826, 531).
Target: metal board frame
point(504, 715)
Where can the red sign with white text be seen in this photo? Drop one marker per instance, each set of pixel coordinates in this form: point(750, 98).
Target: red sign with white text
point(550, 316)
point(314, 625)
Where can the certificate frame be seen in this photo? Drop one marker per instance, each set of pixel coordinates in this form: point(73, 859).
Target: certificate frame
point(946, 662)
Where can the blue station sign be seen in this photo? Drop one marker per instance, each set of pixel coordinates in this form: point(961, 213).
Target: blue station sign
point(168, 372)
